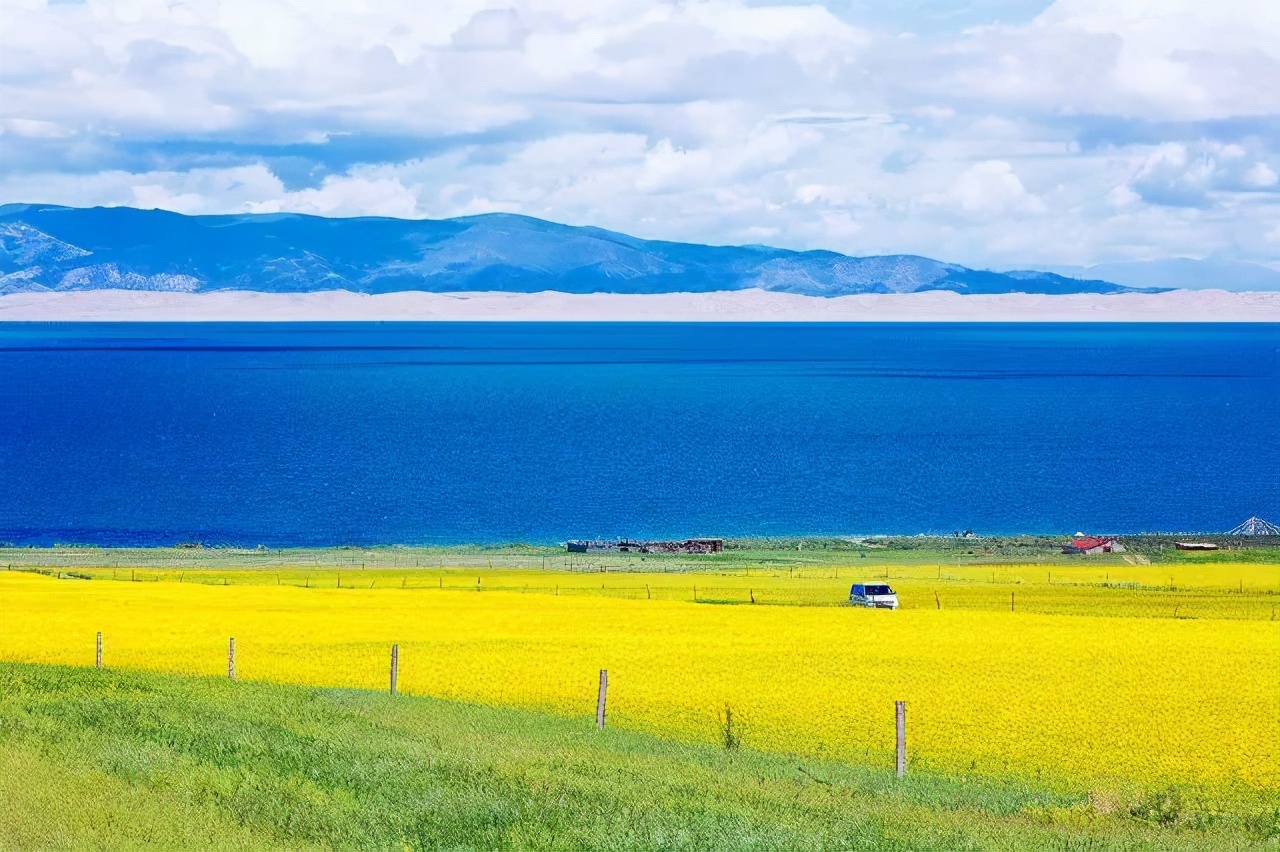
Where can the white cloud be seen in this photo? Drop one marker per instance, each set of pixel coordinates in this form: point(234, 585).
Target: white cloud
point(1194, 175)
point(1260, 176)
point(1097, 131)
point(990, 188)
point(1161, 59)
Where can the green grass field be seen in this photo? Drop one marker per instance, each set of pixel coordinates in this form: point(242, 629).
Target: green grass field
point(113, 759)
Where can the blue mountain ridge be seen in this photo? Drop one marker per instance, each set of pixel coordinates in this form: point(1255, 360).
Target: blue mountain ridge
point(47, 247)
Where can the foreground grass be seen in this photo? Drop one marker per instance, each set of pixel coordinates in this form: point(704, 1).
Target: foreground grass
point(93, 759)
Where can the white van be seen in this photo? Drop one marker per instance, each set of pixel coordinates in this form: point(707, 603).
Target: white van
point(876, 597)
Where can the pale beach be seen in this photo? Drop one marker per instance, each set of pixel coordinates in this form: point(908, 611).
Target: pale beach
point(729, 306)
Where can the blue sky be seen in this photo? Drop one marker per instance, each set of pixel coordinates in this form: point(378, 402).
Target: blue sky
point(993, 133)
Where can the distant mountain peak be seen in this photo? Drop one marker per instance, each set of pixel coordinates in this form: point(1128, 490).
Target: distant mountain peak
point(45, 247)
point(1183, 273)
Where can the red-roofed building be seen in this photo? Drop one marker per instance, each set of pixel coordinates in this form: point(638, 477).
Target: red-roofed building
point(1087, 544)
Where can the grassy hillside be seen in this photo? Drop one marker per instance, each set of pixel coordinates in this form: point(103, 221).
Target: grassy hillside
point(93, 759)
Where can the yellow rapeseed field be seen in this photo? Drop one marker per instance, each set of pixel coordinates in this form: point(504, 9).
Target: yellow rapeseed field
point(1071, 698)
point(1217, 590)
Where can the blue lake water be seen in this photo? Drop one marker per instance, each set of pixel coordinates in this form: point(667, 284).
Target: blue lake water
point(291, 434)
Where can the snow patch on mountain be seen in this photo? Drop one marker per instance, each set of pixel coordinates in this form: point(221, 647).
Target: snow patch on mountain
point(23, 245)
point(108, 276)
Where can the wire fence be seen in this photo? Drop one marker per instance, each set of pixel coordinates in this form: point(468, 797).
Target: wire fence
point(765, 588)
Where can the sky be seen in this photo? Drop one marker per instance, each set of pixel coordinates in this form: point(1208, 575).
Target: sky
point(993, 133)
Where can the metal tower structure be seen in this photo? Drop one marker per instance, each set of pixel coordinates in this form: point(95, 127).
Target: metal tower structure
point(1256, 526)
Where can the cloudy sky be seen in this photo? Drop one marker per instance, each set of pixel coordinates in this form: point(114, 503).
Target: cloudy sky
point(993, 133)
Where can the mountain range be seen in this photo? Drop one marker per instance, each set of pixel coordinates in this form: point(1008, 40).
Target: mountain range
point(51, 248)
point(1182, 273)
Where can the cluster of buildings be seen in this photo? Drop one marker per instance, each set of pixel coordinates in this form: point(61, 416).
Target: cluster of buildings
point(627, 545)
point(1254, 529)
point(1079, 545)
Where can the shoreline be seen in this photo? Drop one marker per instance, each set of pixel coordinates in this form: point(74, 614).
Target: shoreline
point(1177, 306)
point(811, 543)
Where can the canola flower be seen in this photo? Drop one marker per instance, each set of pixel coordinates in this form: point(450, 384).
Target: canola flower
point(1073, 698)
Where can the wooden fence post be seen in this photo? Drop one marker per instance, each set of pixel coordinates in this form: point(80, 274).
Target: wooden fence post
point(1011, 602)
point(395, 667)
point(604, 688)
point(937, 601)
point(98, 654)
point(231, 659)
point(901, 713)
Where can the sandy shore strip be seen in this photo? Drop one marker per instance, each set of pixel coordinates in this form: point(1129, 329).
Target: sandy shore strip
point(729, 306)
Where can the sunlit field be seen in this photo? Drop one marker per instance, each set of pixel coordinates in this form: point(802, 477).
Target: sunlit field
point(1105, 677)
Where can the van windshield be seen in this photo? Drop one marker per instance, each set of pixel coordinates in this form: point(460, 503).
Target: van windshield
point(879, 590)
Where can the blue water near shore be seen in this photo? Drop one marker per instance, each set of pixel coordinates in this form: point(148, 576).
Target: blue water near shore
point(312, 434)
